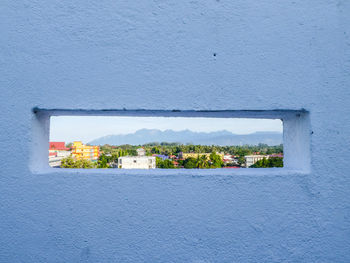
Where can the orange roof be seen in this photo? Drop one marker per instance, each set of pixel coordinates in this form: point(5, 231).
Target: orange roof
point(58, 146)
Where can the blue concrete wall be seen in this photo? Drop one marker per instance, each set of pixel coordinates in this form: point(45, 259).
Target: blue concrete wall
point(196, 55)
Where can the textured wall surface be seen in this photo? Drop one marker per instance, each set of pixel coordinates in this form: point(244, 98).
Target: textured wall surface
point(197, 55)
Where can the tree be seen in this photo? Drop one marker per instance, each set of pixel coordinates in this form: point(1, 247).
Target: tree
point(103, 161)
point(67, 162)
point(159, 162)
point(241, 160)
point(86, 164)
point(267, 163)
point(168, 164)
point(70, 162)
point(155, 150)
point(202, 162)
point(164, 164)
point(276, 162)
point(190, 163)
point(216, 161)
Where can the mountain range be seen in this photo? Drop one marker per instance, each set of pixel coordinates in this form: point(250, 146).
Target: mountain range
point(222, 138)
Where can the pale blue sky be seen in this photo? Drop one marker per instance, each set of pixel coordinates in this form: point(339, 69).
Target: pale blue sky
point(87, 128)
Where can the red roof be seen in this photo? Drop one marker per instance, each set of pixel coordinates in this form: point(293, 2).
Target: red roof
point(58, 146)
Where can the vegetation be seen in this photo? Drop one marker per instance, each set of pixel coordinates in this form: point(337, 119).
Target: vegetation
point(70, 162)
point(103, 161)
point(267, 163)
point(164, 164)
point(111, 153)
point(175, 149)
point(216, 161)
point(190, 163)
point(202, 162)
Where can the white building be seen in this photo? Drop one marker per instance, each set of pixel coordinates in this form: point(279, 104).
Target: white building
point(57, 151)
point(252, 159)
point(141, 152)
point(55, 157)
point(137, 162)
point(230, 159)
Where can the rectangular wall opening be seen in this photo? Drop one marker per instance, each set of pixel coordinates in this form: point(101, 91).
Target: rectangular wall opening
point(120, 142)
point(114, 140)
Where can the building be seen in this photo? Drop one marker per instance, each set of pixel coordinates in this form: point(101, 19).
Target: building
point(230, 159)
point(137, 162)
point(141, 161)
point(86, 152)
point(57, 151)
point(288, 60)
point(252, 159)
point(141, 152)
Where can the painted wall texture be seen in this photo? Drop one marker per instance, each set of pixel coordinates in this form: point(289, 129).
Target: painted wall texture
point(189, 55)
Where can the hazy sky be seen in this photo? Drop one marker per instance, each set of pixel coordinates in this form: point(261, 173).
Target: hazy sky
point(87, 128)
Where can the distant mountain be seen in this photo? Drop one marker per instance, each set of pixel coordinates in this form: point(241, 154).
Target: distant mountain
point(223, 138)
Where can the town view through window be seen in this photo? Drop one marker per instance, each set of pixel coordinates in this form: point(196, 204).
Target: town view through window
point(118, 142)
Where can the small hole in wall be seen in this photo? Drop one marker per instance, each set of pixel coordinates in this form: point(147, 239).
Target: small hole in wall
point(146, 142)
